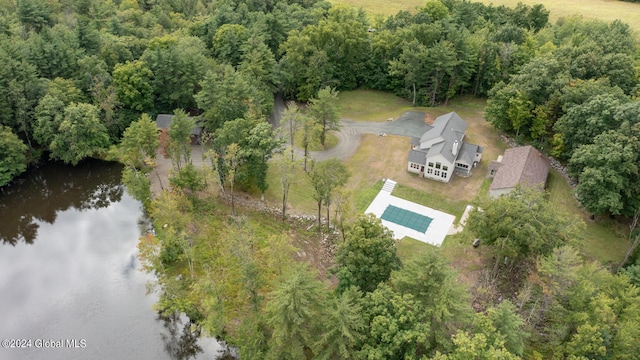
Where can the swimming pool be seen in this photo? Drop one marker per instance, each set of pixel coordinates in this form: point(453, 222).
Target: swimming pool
point(406, 218)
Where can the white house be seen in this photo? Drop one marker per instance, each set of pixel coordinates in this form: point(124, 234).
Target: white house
point(441, 150)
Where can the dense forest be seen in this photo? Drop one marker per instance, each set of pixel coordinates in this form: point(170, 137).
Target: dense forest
point(77, 73)
point(85, 78)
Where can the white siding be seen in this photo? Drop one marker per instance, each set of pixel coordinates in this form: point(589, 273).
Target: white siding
point(437, 174)
point(413, 170)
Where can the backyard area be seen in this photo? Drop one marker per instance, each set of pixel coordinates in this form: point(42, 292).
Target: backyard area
point(377, 157)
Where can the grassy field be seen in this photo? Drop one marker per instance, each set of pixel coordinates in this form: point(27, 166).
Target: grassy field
point(370, 105)
point(607, 10)
point(601, 239)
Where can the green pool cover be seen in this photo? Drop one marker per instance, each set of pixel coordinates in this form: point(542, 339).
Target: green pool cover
point(406, 218)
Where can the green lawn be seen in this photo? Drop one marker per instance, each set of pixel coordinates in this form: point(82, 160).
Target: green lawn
point(601, 239)
point(408, 247)
point(363, 197)
point(300, 193)
point(371, 105)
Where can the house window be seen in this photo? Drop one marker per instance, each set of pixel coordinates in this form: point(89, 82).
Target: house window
point(438, 165)
point(444, 175)
point(445, 168)
point(437, 173)
point(492, 172)
point(464, 166)
point(429, 171)
point(430, 164)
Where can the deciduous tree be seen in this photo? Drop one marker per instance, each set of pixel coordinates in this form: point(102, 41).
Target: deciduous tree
point(397, 328)
point(133, 84)
point(326, 177)
point(607, 172)
point(287, 167)
point(179, 146)
point(139, 142)
point(13, 159)
point(81, 134)
point(521, 224)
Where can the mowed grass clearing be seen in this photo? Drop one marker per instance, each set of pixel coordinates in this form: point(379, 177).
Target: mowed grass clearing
point(606, 10)
point(371, 105)
point(602, 239)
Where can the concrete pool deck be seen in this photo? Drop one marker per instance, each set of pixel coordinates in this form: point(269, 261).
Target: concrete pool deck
point(435, 234)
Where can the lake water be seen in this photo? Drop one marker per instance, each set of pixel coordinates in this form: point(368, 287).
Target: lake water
point(70, 287)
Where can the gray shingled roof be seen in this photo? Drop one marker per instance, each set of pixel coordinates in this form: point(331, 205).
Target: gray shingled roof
point(522, 165)
point(439, 148)
point(415, 141)
point(163, 121)
point(468, 153)
point(418, 157)
point(448, 127)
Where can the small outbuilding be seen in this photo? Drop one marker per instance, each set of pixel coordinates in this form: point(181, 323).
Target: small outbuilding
point(522, 166)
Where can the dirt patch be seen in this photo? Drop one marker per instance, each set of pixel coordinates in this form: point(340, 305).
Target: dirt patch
point(159, 177)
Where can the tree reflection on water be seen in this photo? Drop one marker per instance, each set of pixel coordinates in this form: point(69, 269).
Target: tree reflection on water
point(40, 193)
point(181, 342)
point(181, 339)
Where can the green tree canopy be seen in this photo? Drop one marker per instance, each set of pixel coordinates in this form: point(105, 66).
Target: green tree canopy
point(293, 312)
point(324, 109)
point(342, 328)
point(178, 63)
point(139, 143)
point(607, 172)
point(133, 84)
point(80, 134)
point(397, 326)
point(256, 142)
point(367, 256)
point(428, 278)
point(522, 224)
point(13, 159)
point(227, 95)
point(179, 146)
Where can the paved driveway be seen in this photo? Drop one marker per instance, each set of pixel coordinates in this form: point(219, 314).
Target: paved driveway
point(411, 123)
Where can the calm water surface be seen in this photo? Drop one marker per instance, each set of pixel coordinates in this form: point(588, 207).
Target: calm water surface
point(69, 271)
